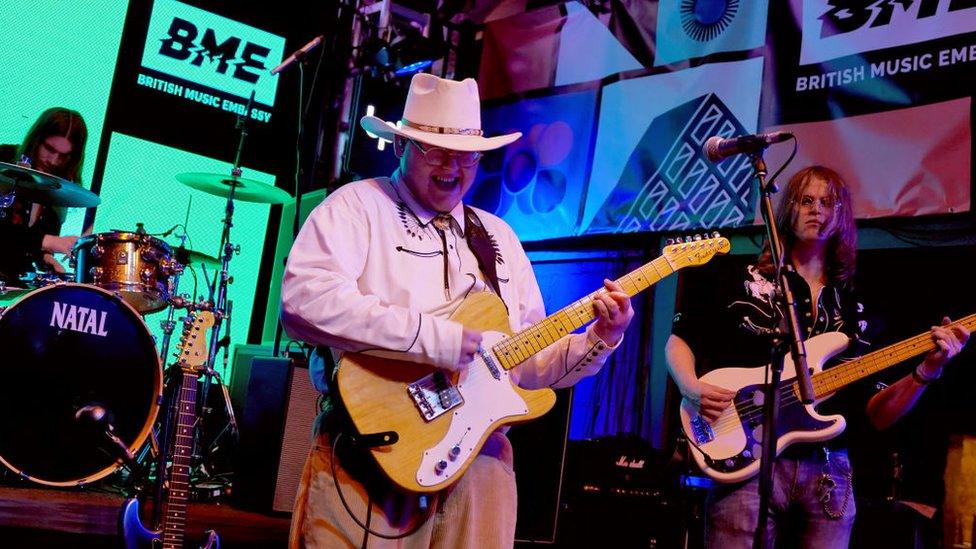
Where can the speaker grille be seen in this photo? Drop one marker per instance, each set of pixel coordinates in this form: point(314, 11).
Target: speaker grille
point(297, 439)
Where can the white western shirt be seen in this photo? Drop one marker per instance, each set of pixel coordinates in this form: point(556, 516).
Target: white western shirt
point(368, 273)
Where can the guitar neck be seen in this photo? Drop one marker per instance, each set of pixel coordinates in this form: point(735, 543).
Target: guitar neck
point(839, 376)
point(174, 517)
point(516, 349)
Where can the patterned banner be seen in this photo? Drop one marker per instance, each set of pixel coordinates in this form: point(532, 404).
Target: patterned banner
point(881, 92)
point(543, 49)
point(687, 29)
point(537, 183)
point(649, 172)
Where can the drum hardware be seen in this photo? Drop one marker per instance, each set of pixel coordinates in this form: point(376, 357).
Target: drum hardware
point(168, 324)
point(232, 187)
point(231, 426)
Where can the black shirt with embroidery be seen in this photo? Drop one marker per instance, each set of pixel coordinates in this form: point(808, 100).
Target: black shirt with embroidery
point(725, 314)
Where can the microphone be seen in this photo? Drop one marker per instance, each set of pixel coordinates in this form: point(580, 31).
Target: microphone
point(298, 54)
point(98, 417)
point(717, 148)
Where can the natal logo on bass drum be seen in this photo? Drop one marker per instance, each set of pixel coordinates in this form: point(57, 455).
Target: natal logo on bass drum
point(79, 319)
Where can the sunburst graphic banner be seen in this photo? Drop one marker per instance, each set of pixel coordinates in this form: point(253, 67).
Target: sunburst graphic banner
point(687, 29)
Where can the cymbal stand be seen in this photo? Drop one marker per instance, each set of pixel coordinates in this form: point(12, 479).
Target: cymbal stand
point(227, 250)
point(169, 324)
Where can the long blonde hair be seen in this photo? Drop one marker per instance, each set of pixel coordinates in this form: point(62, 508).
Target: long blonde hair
point(841, 259)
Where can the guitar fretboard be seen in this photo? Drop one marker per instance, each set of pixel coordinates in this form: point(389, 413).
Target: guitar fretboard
point(516, 349)
point(174, 521)
point(831, 380)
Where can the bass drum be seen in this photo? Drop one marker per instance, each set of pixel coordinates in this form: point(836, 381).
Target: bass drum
point(74, 359)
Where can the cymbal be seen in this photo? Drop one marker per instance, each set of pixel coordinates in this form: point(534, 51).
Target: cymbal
point(248, 190)
point(187, 256)
point(45, 188)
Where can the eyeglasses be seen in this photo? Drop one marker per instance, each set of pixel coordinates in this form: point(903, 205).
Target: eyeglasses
point(436, 156)
point(826, 202)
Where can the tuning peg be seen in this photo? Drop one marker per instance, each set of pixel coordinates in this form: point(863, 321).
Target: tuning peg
point(669, 242)
point(697, 237)
point(715, 234)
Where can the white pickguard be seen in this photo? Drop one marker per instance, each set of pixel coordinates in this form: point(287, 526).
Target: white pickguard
point(486, 400)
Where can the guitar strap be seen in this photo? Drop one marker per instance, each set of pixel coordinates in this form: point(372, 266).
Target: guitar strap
point(482, 246)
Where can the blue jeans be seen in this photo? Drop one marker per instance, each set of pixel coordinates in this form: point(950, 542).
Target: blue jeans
point(796, 504)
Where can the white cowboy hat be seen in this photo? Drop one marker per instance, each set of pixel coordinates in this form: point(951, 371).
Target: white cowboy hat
point(443, 113)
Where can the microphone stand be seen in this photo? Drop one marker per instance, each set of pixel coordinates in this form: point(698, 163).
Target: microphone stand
point(786, 304)
point(296, 220)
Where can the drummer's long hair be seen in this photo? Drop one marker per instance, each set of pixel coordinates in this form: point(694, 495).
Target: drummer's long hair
point(64, 123)
point(841, 247)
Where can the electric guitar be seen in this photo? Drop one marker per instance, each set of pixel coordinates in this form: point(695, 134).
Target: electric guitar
point(728, 449)
point(431, 424)
point(193, 354)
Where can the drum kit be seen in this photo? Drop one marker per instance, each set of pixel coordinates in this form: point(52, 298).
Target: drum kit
point(83, 379)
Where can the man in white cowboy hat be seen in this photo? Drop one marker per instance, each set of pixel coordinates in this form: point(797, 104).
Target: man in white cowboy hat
point(379, 266)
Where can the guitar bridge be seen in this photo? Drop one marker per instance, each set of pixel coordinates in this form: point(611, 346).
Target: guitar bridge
point(701, 430)
point(434, 395)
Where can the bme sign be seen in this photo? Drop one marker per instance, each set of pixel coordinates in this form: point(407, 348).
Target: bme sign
point(195, 45)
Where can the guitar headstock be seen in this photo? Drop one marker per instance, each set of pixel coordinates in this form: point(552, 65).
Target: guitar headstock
point(193, 352)
point(695, 250)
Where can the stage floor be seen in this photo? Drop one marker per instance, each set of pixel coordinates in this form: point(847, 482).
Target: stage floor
point(32, 517)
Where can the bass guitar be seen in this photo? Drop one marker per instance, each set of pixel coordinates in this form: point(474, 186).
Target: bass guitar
point(728, 449)
point(431, 424)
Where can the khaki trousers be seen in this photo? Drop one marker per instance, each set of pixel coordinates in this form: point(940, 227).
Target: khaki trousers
point(477, 512)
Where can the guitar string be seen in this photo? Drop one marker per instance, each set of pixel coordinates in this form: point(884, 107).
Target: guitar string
point(846, 373)
point(730, 421)
point(580, 310)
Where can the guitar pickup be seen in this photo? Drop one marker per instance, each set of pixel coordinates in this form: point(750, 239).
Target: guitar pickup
point(701, 430)
point(434, 395)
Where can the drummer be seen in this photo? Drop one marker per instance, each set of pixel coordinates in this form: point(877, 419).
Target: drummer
point(29, 232)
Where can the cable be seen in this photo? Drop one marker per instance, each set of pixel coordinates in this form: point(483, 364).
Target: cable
point(311, 90)
point(369, 504)
point(789, 159)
